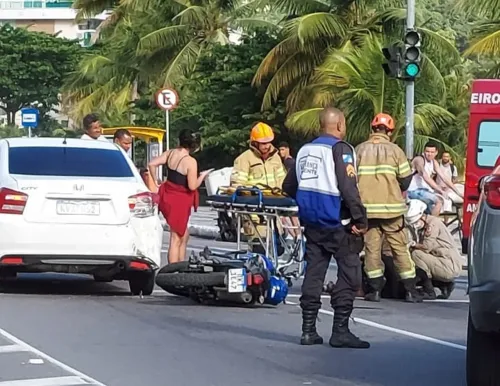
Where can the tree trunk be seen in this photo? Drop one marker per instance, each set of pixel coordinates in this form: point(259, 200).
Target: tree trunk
point(11, 117)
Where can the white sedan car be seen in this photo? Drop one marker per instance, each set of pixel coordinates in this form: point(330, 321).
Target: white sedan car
point(76, 206)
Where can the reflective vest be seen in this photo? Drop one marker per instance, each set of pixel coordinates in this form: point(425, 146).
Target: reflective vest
point(318, 195)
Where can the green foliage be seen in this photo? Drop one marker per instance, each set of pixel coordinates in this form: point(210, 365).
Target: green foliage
point(219, 101)
point(33, 66)
point(312, 54)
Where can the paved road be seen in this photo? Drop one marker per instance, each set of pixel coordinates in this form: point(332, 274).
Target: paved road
point(58, 330)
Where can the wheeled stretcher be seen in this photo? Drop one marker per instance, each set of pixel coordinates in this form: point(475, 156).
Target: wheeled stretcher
point(274, 214)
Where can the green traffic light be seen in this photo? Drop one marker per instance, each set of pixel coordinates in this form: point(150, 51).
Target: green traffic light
point(412, 70)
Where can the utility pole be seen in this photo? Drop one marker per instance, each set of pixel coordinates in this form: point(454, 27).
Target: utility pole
point(410, 89)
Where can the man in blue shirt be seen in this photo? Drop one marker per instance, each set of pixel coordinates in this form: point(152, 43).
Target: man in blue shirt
point(324, 184)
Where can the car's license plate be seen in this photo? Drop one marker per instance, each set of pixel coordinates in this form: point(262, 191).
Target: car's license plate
point(237, 280)
point(82, 208)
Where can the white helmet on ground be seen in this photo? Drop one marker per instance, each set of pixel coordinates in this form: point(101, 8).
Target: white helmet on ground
point(416, 210)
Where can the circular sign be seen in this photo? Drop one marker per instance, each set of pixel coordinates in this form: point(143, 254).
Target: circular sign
point(167, 99)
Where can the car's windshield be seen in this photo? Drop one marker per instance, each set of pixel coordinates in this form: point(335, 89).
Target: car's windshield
point(68, 161)
point(488, 143)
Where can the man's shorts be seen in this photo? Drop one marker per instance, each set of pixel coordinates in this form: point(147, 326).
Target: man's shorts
point(425, 195)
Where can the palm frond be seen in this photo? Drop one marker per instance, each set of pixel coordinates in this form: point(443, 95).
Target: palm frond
point(182, 63)
point(170, 36)
point(487, 41)
point(314, 26)
point(434, 42)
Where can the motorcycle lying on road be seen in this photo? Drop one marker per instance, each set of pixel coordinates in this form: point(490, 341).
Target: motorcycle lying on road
point(236, 277)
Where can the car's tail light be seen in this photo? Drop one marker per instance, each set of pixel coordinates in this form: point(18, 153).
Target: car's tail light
point(491, 190)
point(11, 260)
point(139, 266)
point(12, 202)
point(141, 205)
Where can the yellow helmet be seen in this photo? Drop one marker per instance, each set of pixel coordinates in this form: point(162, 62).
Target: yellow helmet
point(261, 133)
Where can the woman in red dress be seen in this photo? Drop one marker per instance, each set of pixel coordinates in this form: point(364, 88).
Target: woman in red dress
point(180, 192)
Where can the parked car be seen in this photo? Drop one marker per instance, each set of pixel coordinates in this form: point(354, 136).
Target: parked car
point(483, 335)
point(76, 206)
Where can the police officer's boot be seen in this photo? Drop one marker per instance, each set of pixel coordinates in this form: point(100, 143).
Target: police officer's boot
point(375, 287)
point(309, 333)
point(342, 337)
point(412, 295)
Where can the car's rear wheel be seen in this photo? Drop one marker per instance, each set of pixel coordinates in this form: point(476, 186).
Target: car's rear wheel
point(142, 282)
point(483, 351)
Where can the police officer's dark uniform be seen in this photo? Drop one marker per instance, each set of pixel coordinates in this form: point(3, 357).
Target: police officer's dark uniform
point(324, 184)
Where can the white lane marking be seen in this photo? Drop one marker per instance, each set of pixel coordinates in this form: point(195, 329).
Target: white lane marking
point(11, 348)
point(396, 330)
point(85, 378)
point(426, 301)
point(54, 381)
point(36, 361)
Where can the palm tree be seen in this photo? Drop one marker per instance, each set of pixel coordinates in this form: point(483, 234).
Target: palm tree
point(108, 79)
point(352, 77)
point(195, 28)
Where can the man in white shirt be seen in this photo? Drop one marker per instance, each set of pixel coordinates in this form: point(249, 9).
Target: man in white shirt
point(92, 128)
point(448, 169)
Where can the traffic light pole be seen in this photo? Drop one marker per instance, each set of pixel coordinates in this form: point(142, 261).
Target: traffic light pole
point(410, 89)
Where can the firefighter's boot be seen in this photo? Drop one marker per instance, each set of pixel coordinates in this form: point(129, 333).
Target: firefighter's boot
point(342, 337)
point(446, 289)
point(309, 334)
point(412, 295)
point(375, 287)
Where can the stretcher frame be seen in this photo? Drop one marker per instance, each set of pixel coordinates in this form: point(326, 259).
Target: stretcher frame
point(271, 214)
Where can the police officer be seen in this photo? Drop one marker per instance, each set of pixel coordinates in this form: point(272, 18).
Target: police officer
point(383, 173)
point(324, 185)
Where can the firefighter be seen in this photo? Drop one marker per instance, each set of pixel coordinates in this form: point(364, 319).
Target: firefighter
point(435, 255)
point(324, 185)
point(384, 173)
point(261, 164)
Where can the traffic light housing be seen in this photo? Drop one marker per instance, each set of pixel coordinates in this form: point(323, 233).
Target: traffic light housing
point(412, 55)
point(393, 54)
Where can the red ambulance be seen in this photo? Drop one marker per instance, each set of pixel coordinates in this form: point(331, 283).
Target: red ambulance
point(483, 145)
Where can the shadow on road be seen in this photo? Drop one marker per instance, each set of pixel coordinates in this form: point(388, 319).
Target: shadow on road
point(61, 284)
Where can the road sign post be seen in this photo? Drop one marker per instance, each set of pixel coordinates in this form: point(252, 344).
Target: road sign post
point(29, 118)
point(166, 99)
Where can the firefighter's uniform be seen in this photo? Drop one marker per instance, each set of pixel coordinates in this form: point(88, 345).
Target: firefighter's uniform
point(382, 165)
point(252, 169)
point(441, 260)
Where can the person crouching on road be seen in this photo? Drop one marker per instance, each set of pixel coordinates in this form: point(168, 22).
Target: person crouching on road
point(435, 254)
point(324, 185)
point(384, 173)
point(180, 192)
point(261, 164)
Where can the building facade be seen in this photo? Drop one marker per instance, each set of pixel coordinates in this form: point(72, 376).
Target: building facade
point(49, 16)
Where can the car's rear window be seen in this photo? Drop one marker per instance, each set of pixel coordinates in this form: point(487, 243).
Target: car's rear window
point(488, 143)
point(68, 161)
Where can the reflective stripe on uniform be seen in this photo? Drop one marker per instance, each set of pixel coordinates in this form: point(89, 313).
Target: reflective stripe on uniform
point(368, 170)
point(375, 273)
point(386, 208)
point(404, 169)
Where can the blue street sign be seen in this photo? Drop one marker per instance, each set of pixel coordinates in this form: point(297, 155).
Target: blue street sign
point(29, 117)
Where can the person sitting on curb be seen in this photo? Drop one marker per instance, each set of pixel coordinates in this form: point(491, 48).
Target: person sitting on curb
point(434, 253)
